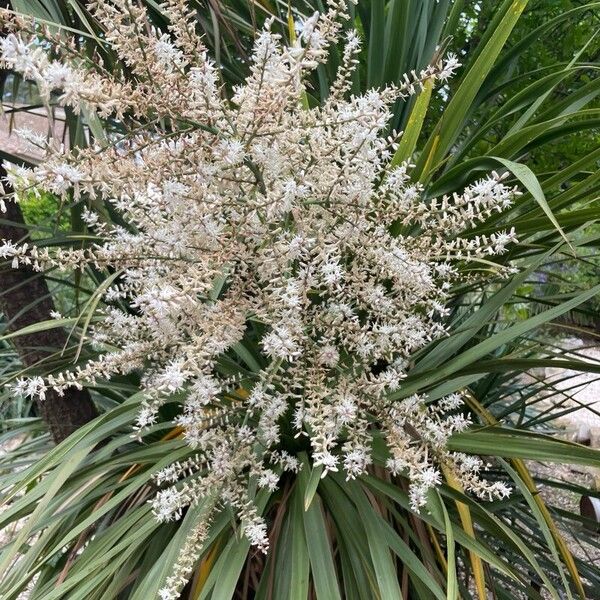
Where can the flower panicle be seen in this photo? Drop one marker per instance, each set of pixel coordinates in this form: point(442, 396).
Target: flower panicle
point(258, 226)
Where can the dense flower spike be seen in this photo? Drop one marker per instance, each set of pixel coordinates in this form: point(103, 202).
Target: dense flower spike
point(260, 230)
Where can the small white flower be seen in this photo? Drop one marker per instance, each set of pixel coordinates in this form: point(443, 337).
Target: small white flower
point(268, 480)
point(167, 505)
point(346, 409)
point(63, 177)
point(33, 137)
point(89, 218)
point(329, 356)
point(256, 532)
point(147, 416)
point(280, 343)
point(204, 390)
point(172, 378)
point(167, 475)
point(328, 461)
point(56, 75)
point(356, 462)
point(34, 387)
point(232, 151)
point(167, 54)
point(332, 272)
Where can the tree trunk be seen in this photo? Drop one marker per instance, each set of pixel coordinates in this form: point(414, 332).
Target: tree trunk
point(25, 299)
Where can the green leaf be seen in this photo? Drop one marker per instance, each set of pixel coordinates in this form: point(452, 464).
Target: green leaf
point(376, 44)
point(408, 141)
point(319, 549)
point(469, 328)
point(57, 481)
point(527, 177)
point(489, 345)
point(385, 570)
point(448, 128)
point(311, 486)
point(300, 562)
point(541, 523)
point(515, 443)
point(452, 583)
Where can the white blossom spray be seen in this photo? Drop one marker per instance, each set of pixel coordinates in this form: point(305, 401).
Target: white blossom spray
point(260, 231)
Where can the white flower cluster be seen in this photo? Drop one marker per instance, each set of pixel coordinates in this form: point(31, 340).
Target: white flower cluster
point(259, 243)
point(74, 84)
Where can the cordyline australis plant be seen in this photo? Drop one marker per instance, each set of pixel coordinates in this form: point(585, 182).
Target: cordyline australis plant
point(257, 225)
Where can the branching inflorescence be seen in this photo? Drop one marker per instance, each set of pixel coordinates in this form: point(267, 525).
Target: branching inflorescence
point(257, 226)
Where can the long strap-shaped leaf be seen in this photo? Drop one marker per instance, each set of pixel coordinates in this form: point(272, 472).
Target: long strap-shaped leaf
point(448, 128)
point(467, 523)
point(489, 345)
point(438, 508)
point(319, 551)
point(527, 177)
point(528, 481)
point(409, 139)
point(58, 479)
point(469, 328)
